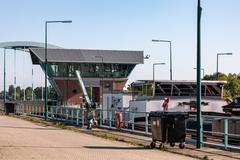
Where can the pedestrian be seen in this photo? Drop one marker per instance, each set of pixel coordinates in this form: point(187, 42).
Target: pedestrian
point(165, 103)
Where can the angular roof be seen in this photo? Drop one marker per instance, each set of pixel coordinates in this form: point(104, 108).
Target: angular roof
point(87, 56)
point(24, 45)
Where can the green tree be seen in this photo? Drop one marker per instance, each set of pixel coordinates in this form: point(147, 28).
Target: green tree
point(28, 93)
point(38, 92)
point(11, 91)
point(232, 88)
point(18, 93)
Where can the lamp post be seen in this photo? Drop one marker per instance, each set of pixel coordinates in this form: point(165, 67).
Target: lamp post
point(199, 83)
point(101, 75)
point(203, 71)
point(4, 82)
point(46, 62)
point(220, 54)
point(170, 53)
point(154, 64)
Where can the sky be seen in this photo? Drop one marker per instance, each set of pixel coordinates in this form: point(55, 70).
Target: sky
point(126, 25)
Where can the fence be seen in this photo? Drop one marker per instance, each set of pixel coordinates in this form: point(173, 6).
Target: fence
point(217, 130)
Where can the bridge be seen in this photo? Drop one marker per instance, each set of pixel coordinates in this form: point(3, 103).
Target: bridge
point(104, 77)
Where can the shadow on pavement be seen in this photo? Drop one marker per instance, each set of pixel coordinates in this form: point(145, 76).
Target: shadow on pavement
point(38, 128)
point(115, 147)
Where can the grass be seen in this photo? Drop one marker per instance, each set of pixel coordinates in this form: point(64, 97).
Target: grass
point(59, 125)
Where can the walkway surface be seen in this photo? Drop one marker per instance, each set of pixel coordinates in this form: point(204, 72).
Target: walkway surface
point(24, 140)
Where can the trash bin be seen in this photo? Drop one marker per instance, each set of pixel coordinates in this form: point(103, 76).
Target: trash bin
point(168, 127)
point(10, 107)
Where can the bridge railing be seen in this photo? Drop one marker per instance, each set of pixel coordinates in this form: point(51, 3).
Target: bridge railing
point(218, 131)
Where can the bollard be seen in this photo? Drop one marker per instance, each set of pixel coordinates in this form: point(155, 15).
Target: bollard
point(226, 133)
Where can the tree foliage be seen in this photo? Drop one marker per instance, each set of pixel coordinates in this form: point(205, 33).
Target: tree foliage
point(232, 88)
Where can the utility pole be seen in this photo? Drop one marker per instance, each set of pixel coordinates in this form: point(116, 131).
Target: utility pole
point(199, 112)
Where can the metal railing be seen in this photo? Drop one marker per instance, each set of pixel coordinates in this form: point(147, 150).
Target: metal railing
point(220, 131)
point(217, 130)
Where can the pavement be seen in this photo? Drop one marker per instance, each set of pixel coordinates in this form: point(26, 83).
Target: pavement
point(24, 140)
point(107, 144)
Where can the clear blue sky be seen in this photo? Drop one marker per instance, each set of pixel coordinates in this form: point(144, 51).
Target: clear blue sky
point(126, 24)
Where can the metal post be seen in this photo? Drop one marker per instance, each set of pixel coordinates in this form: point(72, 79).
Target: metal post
point(4, 81)
point(100, 118)
point(82, 117)
point(66, 114)
point(199, 112)
point(226, 133)
point(77, 117)
point(72, 115)
point(153, 73)
point(24, 98)
point(15, 78)
point(46, 72)
point(170, 60)
point(61, 113)
point(217, 68)
point(146, 123)
point(56, 113)
point(110, 119)
point(133, 115)
point(32, 82)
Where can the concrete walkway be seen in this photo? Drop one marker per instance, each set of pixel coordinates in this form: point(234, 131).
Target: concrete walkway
point(24, 140)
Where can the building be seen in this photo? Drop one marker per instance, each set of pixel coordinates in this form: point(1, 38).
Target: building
point(149, 95)
point(103, 71)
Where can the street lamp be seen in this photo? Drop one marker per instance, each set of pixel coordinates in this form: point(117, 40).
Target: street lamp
point(154, 64)
point(203, 71)
point(46, 61)
point(170, 47)
point(4, 83)
point(220, 54)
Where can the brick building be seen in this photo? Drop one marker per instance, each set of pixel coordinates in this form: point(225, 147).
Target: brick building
point(103, 71)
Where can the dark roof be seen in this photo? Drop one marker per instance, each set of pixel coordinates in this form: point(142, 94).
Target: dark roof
point(86, 56)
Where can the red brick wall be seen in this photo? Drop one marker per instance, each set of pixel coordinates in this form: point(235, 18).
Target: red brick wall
point(67, 86)
point(67, 94)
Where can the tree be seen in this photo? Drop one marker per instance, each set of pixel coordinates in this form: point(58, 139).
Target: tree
point(18, 93)
point(221, 76)
point(38, 92)
point(28, 93)
point(232, 88)
point(233, 85)
point(11, 91)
